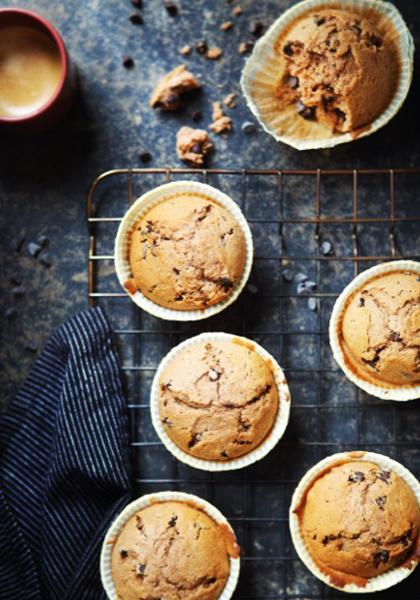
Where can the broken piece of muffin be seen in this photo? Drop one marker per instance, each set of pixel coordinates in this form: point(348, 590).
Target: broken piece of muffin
point(339, 69)
point(221, 122)
point(193, 145)
point(169, 91)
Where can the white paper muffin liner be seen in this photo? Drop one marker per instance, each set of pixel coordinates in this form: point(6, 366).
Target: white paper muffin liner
point(383, 392)
point(262, 70)
point(374, 584)
point(137, 211)
point(131, 509)
point(254, 455)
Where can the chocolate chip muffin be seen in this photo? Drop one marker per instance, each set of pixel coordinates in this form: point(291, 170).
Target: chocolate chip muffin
point(379, 331)
point(340, 70)
point(359, 520)
point(172, 550)
point(218, 400)
point(187, 253)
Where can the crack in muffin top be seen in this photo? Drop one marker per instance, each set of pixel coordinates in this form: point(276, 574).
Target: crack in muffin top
point(218, 400)
point(187, 252)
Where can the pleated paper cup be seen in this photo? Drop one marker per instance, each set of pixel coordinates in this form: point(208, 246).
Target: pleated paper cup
point(380, 391)
point(139, 209)
point(374, 584)
point(254, 455)
point(264, 71)
point(132, 508)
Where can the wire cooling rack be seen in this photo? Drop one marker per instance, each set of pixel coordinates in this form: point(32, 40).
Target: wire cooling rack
point(367, 216)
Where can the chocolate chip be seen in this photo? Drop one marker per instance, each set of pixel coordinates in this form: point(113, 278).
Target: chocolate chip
point(326, 248)
point(45, 260)
point(136, 19)
point(123, 553)
point(225, 283)
point(361, 302)
point(356, 477)
point(312, 304)
point(171, 8)
point(287, 275)
point(19, 291)
point(34, 249)
point(395, 337)
point(179, 297)
point(319, 21)
point(10, 313)
point(176, 271)
point(288, 49)
point(374, 40)
point(224, 454)
point(256, 29)
point(384, 475)
point(201, 47)
point(245, 47)
point(194, 439)
point(248, 127)
point(140, 569)
point(329, 538)
point(340, 114)
point(372, 363)
point(172, 521)
point(293, 82)
point(127, 62)
point(355, 27)
point(196, 116)
point(145, 157)
point(214, 375)
point(137, 3)
point(307, 112)
point(197, 148)
point(381, 556)
point(44, 241)
point(380, 501)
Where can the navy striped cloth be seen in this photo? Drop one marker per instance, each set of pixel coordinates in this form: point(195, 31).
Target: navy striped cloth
point(64, 466)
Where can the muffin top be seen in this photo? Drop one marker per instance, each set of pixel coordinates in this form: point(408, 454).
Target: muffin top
point(340, 70)
point(187, 252)
point(359, 520)
point(218, 400)
point(170, 550)
point(380, 330)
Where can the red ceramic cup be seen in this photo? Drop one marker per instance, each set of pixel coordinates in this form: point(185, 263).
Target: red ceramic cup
point(58, 104)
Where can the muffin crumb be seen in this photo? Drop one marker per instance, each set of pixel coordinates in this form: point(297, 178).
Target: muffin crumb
point(193, 145)
point(170, 90)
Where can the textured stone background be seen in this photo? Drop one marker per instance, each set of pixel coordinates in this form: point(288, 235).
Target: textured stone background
point(43, 185)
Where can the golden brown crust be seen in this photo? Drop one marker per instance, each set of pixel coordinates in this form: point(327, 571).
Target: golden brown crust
point(359, 520)
point(379, 330)
point(340, 70)
point(218, 400)
point(170, 550)
point(187, 252)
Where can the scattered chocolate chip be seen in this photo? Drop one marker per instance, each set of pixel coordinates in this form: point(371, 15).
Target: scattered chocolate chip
point(287, 275)
point(176, 271)
point(34, 249)
point(329, 538)
point(312, 304)
point(245, 47)
point(340, 114)
point(196, 148)
point(288, 49)
point(225, 283)
point(137, 3)
point(248, 127)
point(356, 477)
point(361, 302)
point(10, 313)
point(196, 116)
point(140, 569)
point(307, 112)
point(374, 40)
point(194, 439)
point(406, 538)
point(44, 241)
point(292, 82)
point(381, 556)
point(201, 47)
point(319, 21)
point(372, 363)
point(136, 19)
point(31, 347)
point(172, 521)
point(299, 277)
point(127, 62)
point(395, 337)
point(145, 157)
point(179, 297)
point(380, 501)
point(326, 248)
point(171, 8)
point(224, 454)
point(214, 375)
point(45, 260)
point(19, 244)
point(384, 475)
point(123, 553)
point(256, 29)
point(18, 291)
